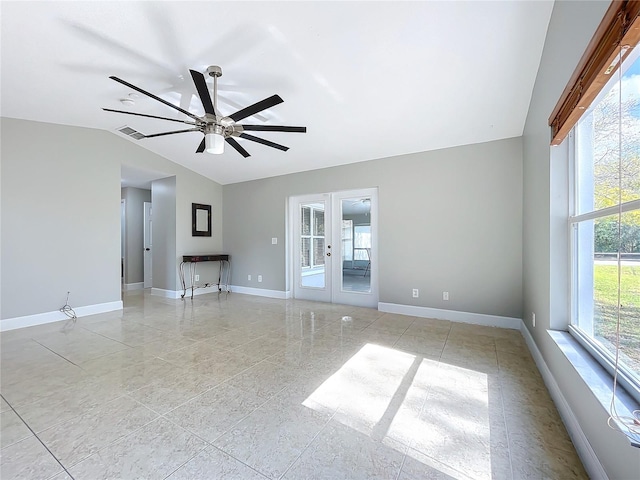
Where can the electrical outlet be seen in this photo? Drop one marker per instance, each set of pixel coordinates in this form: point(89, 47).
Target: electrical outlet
point(445, 295)
point(416, 293)
point(274, 241)
point(197, 278)
point(259, 278)
point(533, 318)
point(249, 277)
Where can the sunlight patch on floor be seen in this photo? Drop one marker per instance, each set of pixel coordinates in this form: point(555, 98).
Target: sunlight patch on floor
point(440, 411)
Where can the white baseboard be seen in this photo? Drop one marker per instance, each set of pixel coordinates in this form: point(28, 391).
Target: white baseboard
point(178, 293)
point(452, 315)
point(261, 292)
point(56, 316)
point(589, 458)
point(134, 286)
point(159, 292)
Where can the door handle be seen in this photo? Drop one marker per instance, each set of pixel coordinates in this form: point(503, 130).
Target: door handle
point(328, 254)
point(147, 249)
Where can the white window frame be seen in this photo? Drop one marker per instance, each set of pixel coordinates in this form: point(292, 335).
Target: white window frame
point(603, 356)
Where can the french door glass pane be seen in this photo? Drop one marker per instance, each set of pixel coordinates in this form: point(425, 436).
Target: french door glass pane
point(362, 242)
point(347, 240)
point(318, 251)
point(318, 223)
point(312, 270)
point(305, 252)
point(305, 221)
point(356, 244)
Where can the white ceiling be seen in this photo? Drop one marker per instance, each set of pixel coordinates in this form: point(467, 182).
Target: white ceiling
point(368, 79)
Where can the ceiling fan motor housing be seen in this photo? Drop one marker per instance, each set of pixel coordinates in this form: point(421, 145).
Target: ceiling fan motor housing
point(214, 71)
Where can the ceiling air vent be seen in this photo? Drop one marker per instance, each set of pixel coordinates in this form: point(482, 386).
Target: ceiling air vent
point(131, 132)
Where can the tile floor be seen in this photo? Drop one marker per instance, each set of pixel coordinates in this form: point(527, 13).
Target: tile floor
point(240, 387)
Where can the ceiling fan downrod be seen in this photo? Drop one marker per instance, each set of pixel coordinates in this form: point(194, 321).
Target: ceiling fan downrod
point(215, 71)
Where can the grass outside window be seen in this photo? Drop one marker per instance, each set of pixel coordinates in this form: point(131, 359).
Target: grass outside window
point(606, 315)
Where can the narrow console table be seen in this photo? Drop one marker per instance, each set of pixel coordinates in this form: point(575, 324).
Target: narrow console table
point(193, 260)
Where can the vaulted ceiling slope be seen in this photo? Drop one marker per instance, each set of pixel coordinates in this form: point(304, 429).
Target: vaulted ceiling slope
point(368, 79)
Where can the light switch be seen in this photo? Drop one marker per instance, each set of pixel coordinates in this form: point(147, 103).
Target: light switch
point(274, 241)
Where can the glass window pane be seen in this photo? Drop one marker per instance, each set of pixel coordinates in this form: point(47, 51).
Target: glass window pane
point(597, 245)
point(608, 147)
point(318, 222)
point(584, 246)
point(630, 291)
point(347, 240)
point(606, 250)
point(629, 99)
point(318, 251)
point(305, 221)
point(305, 252)
point(356, 244)
point(362, 241)
point(362, 236)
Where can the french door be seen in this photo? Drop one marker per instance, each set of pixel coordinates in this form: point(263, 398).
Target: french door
point(333, 246)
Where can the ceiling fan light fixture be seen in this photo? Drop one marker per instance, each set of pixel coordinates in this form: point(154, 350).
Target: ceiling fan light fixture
point(214, 143)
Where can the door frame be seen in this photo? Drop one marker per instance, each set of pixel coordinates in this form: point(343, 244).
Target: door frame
point(147, 242)
point(332, 292)
point(123, 243)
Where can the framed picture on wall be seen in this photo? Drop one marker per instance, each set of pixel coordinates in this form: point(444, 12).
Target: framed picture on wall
point(200, 220)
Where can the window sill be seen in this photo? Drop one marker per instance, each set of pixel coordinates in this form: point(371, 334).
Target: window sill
point(596, 378)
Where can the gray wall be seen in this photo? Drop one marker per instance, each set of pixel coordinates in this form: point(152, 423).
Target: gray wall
point(198, 190)
point(60, 222)
point(163, 198)
point(544, 249)
point(449, 220)
point(134, 233)
point(60, 232)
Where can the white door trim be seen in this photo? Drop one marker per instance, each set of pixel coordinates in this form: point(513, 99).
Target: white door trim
point(147, 255)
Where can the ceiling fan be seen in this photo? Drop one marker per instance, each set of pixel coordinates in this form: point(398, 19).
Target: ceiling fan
point(362, 201)
point(217, 129)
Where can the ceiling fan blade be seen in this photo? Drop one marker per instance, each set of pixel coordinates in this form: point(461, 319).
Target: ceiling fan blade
point(148, 116)
point(273, 128)
point(246, 136)
point(201, 147)
point(203, 91)
point(237, 146)
point(172, 133)
point(256, 107)
point(151, 95)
